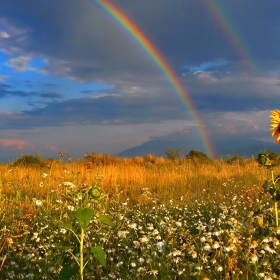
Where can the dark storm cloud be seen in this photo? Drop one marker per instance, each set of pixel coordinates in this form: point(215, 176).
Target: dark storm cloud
point(103, 110)
point(82, 42)
point(5, 91)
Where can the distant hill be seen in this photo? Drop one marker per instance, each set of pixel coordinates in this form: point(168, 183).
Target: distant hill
point(224, 148)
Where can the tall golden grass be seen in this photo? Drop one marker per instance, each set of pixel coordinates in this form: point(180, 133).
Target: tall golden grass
point(132, 178)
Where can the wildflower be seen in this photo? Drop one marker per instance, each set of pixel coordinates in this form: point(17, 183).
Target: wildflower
point(202, 239)
point(254, 258)
point(61, 154)
point(136, 243)
point(254, 244)
point(38, 202)
point(180, 271)
point(153, 272)
point(144, 239)
point(160, 245)
point(63, 230)
point(216, 245)
point(179, 224)
point(122, 234)
point(275, 126)
point(133, 225)
point(219, 268)
point(176, 253)
point(133, 264)
point(207, 247)
point(194, 254)
point(70, 208)
point(45, 175)
point(112, 275)
point(41, 184)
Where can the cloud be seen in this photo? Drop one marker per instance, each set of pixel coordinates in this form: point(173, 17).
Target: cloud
point(4, 35)
point(20, 64)
point(15, 144)
point(51, 95)
point(4, 77)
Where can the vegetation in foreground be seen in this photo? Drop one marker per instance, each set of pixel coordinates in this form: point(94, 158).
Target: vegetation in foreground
point(141, 218)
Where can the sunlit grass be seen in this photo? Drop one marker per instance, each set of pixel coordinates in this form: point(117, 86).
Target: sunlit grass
point(174, 219)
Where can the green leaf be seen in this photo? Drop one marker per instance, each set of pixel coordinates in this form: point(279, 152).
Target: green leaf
point(106, 220)
point(83, 216)
point(267, 185)
point(66, 225)
point(68, 271)
point(99, 254)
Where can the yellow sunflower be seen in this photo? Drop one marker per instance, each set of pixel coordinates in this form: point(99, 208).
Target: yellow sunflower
point(275, 126)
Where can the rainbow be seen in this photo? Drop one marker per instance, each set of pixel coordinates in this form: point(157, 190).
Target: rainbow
point(230, 32)
point(154, 54)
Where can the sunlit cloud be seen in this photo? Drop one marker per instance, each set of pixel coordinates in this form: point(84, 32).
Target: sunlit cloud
point(16, 144)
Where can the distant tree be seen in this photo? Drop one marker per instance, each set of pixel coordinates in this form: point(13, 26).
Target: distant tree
point(198, 156)
point(29, 160)
point(173, 155)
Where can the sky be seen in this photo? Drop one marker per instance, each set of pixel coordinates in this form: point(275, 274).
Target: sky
point(76, 77)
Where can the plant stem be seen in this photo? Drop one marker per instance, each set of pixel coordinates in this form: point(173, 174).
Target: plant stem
point(276, 212)
point(82, 254)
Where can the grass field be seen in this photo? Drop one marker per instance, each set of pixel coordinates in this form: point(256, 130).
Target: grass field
point(182, 219)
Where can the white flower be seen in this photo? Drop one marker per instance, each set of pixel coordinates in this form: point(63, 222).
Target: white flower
point(133, 225)
point(133, 264)
point(41, 184)
point(207, 247)
point(179, 224)
point(63, 230)
point(219, 268)
point(45, 175)
point(160, 244)
point(38, 202)
point(122, 233)
point(144, 239)
point(216, 245)
point(153, 272)
point(70, 208)
point(176, 253)
point(254, 258)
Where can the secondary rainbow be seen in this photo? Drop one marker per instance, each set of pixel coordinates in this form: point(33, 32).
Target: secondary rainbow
point(150, 49)
point(224, 22)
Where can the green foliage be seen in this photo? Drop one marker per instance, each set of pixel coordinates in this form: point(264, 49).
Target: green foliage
point(198, 156)
point(68, 271)
point(236, 160)
point(29, 160)
point(173, 155)
point(83, 216)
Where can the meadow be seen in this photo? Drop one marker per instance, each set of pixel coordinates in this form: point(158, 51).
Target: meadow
point(172, 219)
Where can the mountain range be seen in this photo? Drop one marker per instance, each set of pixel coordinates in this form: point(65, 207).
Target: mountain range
point(223, 148)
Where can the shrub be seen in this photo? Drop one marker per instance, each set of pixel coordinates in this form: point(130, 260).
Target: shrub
point(236, 160)
point(198, 156)
point(173, 155)
point(29, 160)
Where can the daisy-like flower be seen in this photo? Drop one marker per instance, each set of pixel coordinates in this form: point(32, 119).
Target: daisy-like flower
point(194, 254)
point(254, 258)
point(275, 126)
point(207, 247)
point(153, 272)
